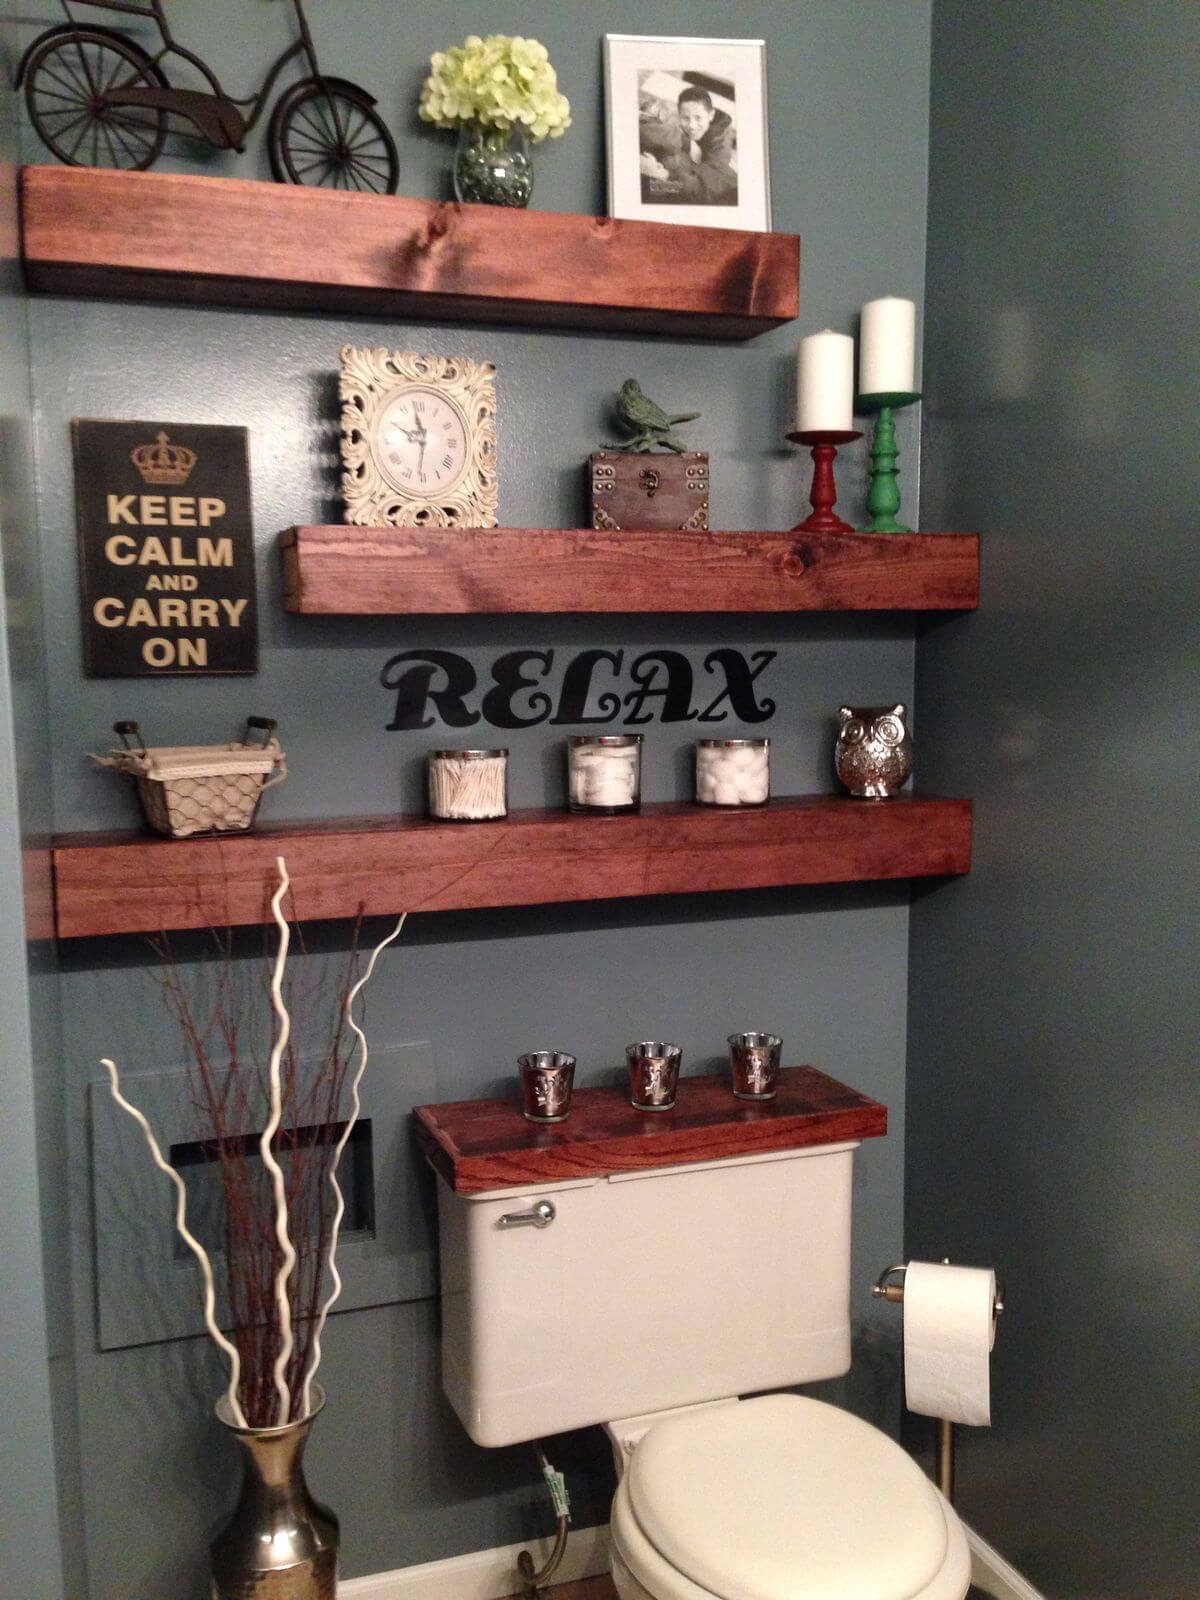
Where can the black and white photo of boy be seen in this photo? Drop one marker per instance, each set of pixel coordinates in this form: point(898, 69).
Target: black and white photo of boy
point(687, 139)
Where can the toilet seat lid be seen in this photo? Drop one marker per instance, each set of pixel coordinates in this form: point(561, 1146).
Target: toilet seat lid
point(784, 1498)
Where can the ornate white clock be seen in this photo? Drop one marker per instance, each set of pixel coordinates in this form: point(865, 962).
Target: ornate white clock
point(418, 439)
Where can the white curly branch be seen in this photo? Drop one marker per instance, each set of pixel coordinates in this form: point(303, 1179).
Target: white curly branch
point(339, 1200)
point(288, 1254)
point(193, 1244)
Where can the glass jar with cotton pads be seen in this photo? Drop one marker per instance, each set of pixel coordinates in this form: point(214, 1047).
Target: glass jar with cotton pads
point(604, 772)
point(468, 785)
point(733, 772)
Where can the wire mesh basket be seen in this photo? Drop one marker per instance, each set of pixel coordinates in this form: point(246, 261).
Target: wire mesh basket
point(200, 788)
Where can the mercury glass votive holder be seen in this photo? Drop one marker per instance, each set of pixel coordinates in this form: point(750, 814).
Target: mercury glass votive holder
point(653, 1074)
point(754, 1058)
point(547, 1077)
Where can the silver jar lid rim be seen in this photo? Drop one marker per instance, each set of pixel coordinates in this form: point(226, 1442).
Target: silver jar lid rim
point(732, 744)
point(466, 755)
point(609, 739)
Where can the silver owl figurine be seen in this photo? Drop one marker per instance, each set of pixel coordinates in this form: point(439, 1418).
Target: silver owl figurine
point(874, 752)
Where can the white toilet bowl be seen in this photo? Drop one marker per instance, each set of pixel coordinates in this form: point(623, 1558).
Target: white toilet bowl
point(781, 1498)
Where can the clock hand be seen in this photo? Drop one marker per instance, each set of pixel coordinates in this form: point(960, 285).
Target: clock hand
point(420, 438)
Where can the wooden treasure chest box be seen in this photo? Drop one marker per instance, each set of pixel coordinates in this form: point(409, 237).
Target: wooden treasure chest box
point(635, 489)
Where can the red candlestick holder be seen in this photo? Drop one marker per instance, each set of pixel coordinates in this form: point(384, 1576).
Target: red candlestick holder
point(823, 494)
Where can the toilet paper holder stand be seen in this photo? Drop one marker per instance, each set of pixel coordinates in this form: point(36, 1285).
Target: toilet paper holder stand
point(884, 1289)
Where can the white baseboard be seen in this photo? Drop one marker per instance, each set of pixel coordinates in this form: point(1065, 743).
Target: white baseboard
point(492, 1574)
point(994, 1575)
point(483, 1574)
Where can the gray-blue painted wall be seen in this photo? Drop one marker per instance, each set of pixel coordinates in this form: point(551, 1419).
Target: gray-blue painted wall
point(34, 1258)
point(1052, 1082)
point(848, 96)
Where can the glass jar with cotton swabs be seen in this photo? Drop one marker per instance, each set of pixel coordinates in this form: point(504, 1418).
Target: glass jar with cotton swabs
point(468, 785)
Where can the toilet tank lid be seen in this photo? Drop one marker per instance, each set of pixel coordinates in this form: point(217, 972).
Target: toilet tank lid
point(785, 1498)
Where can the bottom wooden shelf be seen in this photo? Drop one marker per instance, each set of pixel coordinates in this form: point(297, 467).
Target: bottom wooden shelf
point(487, 1144)
point(135, 883)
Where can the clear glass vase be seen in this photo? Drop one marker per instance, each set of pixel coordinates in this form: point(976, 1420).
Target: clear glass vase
point(279, 1544)
point(492, 166)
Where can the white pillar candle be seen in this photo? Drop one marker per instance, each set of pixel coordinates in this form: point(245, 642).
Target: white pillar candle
point(825, 383)
point(887, 346)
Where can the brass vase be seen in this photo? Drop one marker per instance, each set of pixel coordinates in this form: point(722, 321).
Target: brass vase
point(279, 1544)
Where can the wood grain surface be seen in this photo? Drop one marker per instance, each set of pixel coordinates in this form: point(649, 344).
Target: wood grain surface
point(37, 876)
point(478, 1145)
point(227, 241)
point(137, 883)
point(340, 571)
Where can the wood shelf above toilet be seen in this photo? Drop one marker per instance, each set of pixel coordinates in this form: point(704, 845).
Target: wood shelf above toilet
point(479, 1145)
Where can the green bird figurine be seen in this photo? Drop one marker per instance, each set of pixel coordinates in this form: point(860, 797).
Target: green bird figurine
point(646, 424)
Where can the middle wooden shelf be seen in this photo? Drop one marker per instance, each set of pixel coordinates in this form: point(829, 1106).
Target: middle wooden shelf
point(354, 571)
point(136, 883)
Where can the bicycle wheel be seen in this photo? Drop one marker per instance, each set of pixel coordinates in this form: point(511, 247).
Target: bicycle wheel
point(330, 136)
point(66, 82)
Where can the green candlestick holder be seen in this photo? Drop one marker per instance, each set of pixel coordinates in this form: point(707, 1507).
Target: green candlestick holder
point(883, 497)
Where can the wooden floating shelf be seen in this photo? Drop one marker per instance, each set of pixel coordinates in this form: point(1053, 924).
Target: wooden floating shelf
point(348, 571)
point(135, 883)
point(476, 1145)
point(226, 241)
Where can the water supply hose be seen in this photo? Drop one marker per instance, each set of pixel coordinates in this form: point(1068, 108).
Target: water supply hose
point(532, 1579)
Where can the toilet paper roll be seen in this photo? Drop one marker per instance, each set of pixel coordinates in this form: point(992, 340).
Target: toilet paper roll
point(949, 1331)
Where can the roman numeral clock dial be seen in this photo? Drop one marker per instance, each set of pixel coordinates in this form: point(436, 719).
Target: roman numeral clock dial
point(424, 439)
point(418, 439)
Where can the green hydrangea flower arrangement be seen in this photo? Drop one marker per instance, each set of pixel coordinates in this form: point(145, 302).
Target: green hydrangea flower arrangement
point(498, 82)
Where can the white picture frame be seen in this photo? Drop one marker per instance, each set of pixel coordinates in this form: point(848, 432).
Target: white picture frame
point(687, 131)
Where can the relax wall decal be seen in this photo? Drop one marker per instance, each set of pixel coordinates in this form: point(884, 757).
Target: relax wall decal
point(525, 689)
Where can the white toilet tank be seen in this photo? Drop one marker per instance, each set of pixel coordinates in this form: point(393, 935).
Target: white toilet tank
point(648, 1290)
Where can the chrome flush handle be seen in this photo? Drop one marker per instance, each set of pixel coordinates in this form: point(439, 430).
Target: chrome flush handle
point(540, 1216)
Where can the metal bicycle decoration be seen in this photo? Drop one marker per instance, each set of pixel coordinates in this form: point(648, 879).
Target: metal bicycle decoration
point(98, 98)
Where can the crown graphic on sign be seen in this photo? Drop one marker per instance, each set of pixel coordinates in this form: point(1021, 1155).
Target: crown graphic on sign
point(164, 462)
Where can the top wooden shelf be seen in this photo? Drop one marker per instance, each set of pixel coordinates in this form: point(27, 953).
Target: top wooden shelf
point(226, 241)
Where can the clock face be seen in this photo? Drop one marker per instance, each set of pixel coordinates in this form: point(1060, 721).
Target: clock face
point(422, 443)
